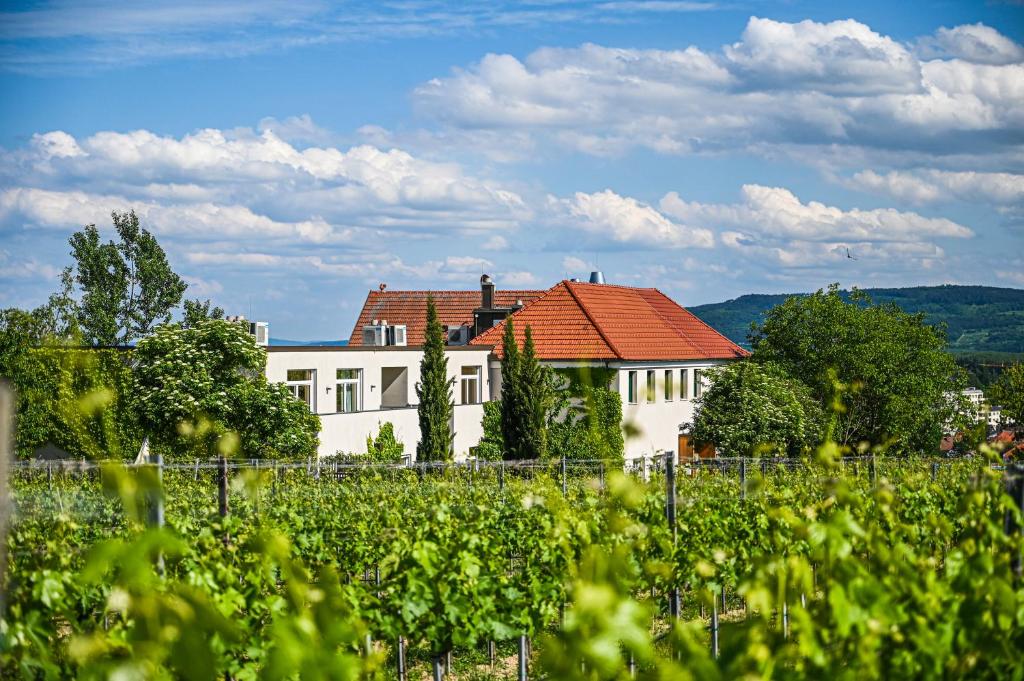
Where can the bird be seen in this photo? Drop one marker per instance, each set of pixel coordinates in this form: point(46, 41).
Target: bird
point(848, 255)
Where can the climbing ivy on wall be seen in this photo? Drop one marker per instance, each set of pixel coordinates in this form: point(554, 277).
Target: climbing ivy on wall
point(77, 399)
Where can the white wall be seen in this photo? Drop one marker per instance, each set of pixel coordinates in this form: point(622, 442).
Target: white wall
point(657, 422)
point(347, 432)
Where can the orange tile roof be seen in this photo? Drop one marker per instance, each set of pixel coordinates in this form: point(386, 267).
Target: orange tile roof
point(575, 320)
point(454, 308)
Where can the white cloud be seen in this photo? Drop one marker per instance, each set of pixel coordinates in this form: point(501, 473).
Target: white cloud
point(931, 186)
point(495, 243)
point(63, 36)
point(234, 181)
point(783, 86)
point(14, 267)
point(972, 42)
point(841, 57)
point(777, 213)
point(576, 266)
point(611, 218)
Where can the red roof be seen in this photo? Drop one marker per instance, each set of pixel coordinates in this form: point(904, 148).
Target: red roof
point(454, 308)
point(574, 320)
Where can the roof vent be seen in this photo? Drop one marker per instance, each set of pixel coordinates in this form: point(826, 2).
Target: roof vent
point(597, 277)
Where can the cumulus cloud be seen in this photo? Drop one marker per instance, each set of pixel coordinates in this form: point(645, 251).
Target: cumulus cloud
point(778, 212)
point(610, 218)
point(931, 186)
point(782, 86)
point(242, 180)
point(972, 42)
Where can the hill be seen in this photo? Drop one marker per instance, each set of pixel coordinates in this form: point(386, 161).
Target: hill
point(978, 319)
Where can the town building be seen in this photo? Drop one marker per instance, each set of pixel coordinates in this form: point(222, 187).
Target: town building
point(657, 353)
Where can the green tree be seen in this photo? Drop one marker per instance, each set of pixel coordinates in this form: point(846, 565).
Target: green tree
point(898, 384)
point(511, 387)
point(536, 395)
point(1008, 391)
point(126, 287)
point(434, 390)
point(385, 448)
point(196, 386)
point(753, 408)
point(195, 311)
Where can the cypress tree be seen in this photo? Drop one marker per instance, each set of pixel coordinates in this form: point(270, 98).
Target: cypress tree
point(511, 402)
point(434, 391)
point(535, 394)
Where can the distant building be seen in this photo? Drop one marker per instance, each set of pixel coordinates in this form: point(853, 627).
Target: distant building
point(658, 353)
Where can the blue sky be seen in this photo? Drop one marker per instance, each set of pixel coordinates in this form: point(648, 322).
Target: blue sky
point(292, 156)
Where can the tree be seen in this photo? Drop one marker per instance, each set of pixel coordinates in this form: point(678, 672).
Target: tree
point(511, 400)
point(897, 384)
point(434, 391)
point(126, 287)
point(751, 408)
point(385, 448)
point(194, 386)
point(196, 311)
point(536, 395)
point(1008, 391)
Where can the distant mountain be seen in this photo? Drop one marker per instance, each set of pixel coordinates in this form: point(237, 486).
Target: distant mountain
point(283, 341)
point(977, 318)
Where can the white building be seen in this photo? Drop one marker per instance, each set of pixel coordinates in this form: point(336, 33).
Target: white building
point(356, 389)
point(656, 351)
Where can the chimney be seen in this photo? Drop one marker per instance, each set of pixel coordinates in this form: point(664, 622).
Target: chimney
point(597, 277)
point(486, 293)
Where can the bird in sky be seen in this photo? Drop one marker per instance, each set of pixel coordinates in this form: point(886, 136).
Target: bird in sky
point(849, 255)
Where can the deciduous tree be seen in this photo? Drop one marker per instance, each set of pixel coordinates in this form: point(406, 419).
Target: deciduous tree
point(125, 287)
point(195, 385)
point(753, 408)
point(899, 385)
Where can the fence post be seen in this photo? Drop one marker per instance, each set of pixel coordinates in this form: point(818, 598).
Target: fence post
point(522, 658)
point(714, 625)
point(743, 479)
point(670, 515)
point(1014, 476)
point(222, 491)
point(438, 668)
point(155, 503)
point(401, 659)
point(501, 476)
point(564, 489)
point(935, 470)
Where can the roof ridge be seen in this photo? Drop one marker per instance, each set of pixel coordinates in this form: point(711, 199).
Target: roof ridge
point(597, 326)
point(699, 321)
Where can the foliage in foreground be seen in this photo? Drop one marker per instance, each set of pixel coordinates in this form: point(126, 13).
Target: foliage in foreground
point(900, 577)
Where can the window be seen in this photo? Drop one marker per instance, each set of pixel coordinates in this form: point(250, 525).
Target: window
point(347, 397)
point(684, 384)
point(650, 385)
point(668, 385)
point(697, 380)
point(470, 385)
point(300, 382)
point(632, 387)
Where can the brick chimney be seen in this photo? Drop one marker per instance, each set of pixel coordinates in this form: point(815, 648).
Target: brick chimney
point(486, 292)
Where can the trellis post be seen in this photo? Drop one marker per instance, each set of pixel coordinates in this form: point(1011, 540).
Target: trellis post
point(670, 515)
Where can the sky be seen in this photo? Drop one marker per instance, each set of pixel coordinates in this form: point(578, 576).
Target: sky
point(291, 156)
